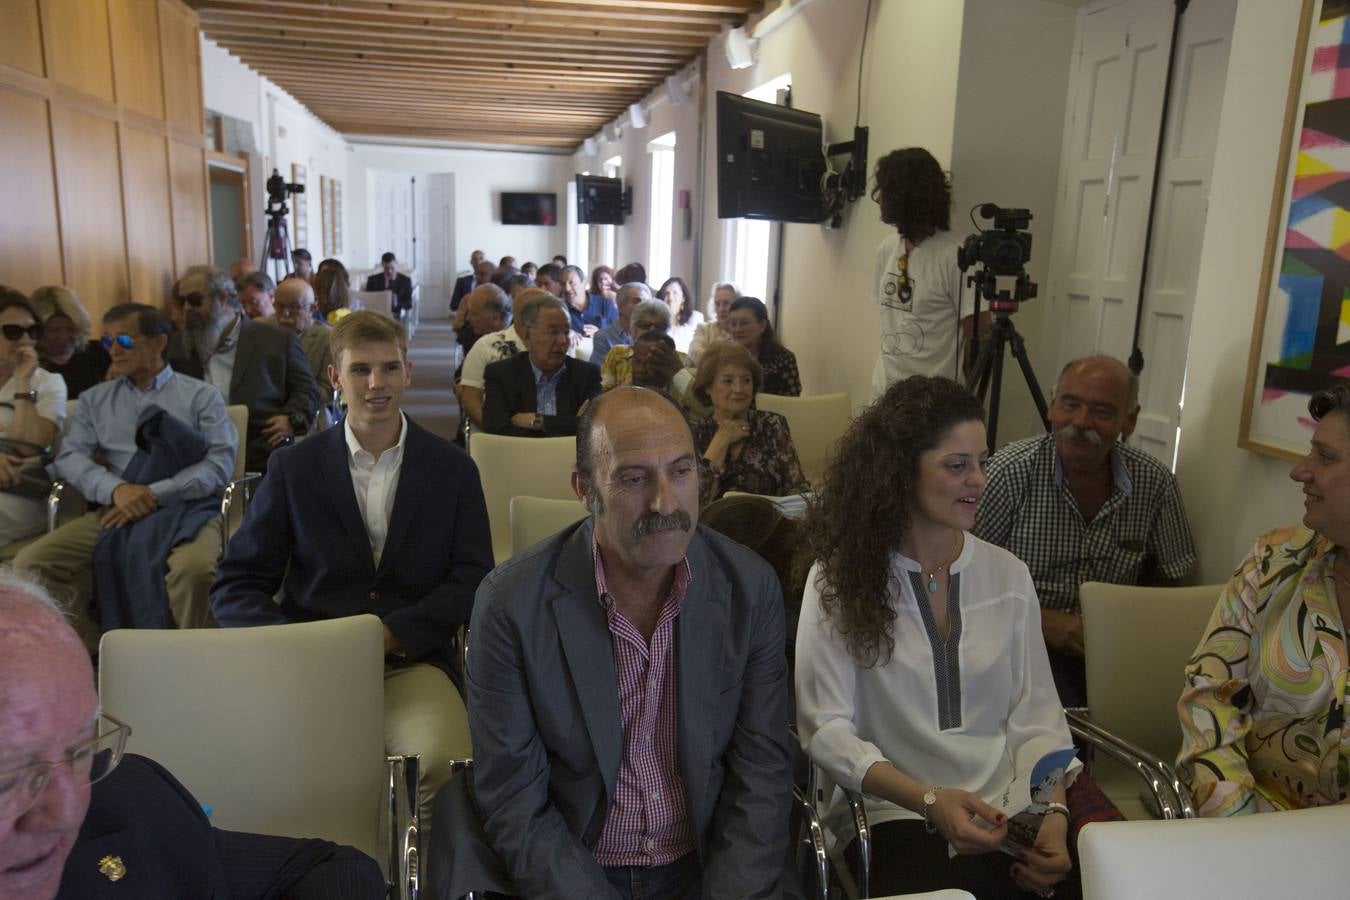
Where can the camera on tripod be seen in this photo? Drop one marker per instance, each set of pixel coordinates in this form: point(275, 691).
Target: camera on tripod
point(1002, 252)
point(278, 190)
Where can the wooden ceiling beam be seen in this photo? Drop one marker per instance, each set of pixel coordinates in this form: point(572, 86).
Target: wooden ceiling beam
point(292, 25)
point(614, 10)
point(376, 103)
point(375, 23)
point(490, 70)
point(604, 109)
point(613, 103)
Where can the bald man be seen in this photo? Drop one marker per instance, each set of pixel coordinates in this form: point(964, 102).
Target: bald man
point(294, 304)
point(487, 312)
point(466, 283)
point(1079, 505)
point(78, 819)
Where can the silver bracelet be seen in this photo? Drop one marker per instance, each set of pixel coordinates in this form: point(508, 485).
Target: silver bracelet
point(1057, 808)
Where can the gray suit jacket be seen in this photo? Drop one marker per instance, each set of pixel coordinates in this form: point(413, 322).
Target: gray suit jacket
point(271, 377)
point(544, 711)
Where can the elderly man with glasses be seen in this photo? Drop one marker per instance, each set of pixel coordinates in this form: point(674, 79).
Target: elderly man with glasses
point(99, 457)
point(80, 818)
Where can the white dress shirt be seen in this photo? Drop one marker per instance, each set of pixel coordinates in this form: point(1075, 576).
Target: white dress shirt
point(219, 367)
point(975, 713)
point(375, 482)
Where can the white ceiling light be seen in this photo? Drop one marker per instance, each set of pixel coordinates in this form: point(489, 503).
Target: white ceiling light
point(740, 49)
point(588, 146)
point(676, 92)
point(636, 116)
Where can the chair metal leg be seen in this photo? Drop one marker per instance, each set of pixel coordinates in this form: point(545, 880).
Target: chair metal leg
point(54, 504)
point(815, 838)
point(404, 824)
point(855, 805)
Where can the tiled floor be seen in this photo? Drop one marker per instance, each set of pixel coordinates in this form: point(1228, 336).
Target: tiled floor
point(430, 399)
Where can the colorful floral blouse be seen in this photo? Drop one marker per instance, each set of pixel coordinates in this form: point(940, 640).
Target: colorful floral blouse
point(767, 463)
point(780, 372)
point(1262, 711)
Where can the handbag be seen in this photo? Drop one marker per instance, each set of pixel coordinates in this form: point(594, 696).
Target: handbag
point(34, 481)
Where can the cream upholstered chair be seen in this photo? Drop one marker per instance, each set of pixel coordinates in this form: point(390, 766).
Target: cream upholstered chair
point(1278, 854)
point(1137, 641)
point(816, 423)
point(535, 518)
point(279, 728)
point(520, 466)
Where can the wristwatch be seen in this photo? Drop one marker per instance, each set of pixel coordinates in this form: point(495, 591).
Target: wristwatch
point(538, 423)
point(929, 800)
point(30, 396)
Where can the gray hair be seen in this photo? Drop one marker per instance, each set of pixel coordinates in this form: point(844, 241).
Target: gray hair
point(1132, 402)
point(712, 295)
point(218, 282)
point(653, 308)
point(529, 311)
point(22, 591)
point(643, 291)
point(497, 301)
point(260, 280)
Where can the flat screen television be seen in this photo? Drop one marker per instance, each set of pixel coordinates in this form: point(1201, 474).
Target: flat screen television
point(529, 209)
point(770, 161)
point(600, 200)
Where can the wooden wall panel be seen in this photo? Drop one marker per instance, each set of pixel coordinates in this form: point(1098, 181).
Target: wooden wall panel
point(90, 188)
point(79, 55)
point(30, 236)
point(21, 36)
point(182, 66)
point(135, 37)
point(145, 171)
point(191, 242)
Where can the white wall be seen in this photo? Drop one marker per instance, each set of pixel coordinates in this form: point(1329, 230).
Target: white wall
point(479, 178)
point(1233, 495)
point(284, 132)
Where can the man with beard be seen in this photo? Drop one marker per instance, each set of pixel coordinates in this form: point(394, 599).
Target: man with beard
point(666, 641)
point(1079, 505)
point(256, 365)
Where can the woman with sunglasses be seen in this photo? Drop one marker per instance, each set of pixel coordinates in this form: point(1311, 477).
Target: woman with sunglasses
point(32, 404)
point(65, 348)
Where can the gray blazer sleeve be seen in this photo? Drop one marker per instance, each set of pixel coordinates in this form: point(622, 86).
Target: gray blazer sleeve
point(543, 858)
point(747, 837)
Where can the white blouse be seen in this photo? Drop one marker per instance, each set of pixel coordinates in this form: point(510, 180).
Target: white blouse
point(976, 712)
point(683, 335)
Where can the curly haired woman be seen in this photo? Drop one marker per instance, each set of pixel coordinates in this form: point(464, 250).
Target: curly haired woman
point(922, 677)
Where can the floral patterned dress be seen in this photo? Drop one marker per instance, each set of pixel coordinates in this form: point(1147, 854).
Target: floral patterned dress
point(1262, 714)
point(780, 371)
point(767, 463)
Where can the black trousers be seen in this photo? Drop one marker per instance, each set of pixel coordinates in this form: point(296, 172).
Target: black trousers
point(906, 859)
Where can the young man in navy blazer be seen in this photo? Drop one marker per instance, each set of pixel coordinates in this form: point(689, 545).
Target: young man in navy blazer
point(378, 516)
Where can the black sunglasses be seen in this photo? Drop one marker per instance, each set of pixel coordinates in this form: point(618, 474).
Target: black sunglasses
point(16, 332)
point(195, 299)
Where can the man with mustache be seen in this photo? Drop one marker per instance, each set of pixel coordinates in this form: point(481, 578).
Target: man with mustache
point(627, 690)
point(1079, 505)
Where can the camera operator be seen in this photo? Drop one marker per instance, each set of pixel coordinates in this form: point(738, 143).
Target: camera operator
point(924, 315)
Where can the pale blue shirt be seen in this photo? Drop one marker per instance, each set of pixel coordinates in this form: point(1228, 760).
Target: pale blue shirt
point(546, 390)
point(105, 420)
point(219, 366)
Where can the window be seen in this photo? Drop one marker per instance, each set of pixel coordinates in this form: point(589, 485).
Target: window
point(578, 235)
point(748, 244)
point(660, 235)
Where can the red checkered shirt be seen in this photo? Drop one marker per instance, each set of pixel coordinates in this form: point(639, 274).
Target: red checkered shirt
point(648, 822)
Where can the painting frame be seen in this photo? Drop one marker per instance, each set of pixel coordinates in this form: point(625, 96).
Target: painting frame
point(299, 208)
point(1274, 419)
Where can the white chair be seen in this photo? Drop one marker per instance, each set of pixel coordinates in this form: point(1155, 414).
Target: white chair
point(1279, 854)
point(816, 424)
point(520, 466)
point(279, 728)
point(1137, 642)
point(534, 518)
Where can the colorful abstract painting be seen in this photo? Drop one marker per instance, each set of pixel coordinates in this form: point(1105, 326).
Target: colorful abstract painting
point(1302, 338)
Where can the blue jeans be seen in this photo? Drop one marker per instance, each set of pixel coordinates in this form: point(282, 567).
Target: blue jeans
point(680, 880)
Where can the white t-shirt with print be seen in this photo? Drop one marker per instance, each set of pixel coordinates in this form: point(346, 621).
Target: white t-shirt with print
point(921, 333)
point(486, 350)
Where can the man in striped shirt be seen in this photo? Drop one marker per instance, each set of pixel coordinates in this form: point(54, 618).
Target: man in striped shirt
point(627, 686)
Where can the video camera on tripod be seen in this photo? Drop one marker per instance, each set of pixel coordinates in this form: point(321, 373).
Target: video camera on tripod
point(1003, 251)
point(279, 191)
point(277, 243)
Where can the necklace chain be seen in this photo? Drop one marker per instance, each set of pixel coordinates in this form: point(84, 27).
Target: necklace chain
point(932, 576)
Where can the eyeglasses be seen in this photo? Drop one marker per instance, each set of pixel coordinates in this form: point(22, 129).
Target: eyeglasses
point(555, 333)
point(17, 332)
point(89, 762)
point(125, 341)
point(195, 299)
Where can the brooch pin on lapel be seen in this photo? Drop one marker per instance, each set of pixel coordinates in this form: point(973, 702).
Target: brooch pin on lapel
point(112, 868)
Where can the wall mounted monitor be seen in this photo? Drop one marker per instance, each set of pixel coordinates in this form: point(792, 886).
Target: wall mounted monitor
point(601, 200)
point(770, 161)
point(529, 209)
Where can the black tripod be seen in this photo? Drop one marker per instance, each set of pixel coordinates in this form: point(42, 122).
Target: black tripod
point(988, 367)
point(276, 247)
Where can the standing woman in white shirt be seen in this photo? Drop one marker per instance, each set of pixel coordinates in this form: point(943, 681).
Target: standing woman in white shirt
point(922, 677)
point(925, 315)
point(32, 404)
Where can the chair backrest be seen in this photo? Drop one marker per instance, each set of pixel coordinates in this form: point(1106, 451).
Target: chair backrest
point(520, 466)
point(1137, 641)
point(239, 416)
point(279, 728)
point(1279, 854)
point(534, 518)
point(816, 424)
